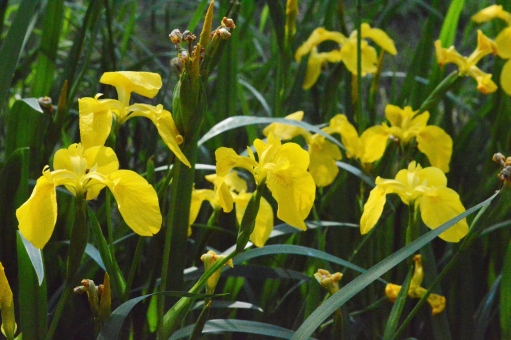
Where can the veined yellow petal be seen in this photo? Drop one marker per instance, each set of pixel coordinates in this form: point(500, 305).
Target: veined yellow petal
point(438, 206)
point(505, 77)
point(6, 306)
point(146, 84)
point(323, 155)
point(374, 141)
point(38, 215)
point(137, 201)
point(372, 209)
point(379, 37)
point(264, 219)
point(503, 42)
point(436, 144)
point(285, 131)
point(227, 158)
point(294, 190)
point(103, 159)
point(294, 155)
point(95, 118)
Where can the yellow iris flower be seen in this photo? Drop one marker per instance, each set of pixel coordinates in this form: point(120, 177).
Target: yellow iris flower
point(6, 306)
point(503, 40)
point(322, 152)
point(432, 141)
point(96, 114)
point(367, 148)
point(426, 189)
point(233, 191)
point(283, 167)
point(467, 65)
point(347, 52)
point(86, 173)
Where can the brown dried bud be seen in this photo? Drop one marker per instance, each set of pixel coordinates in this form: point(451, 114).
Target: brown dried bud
point(223, 33)
point(227, 22)
point(176, 36)
point(189, 36)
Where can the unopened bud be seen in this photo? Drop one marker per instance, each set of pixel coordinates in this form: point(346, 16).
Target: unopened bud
point(189, 36)
point(45, 102)
point(328, 281)
point(176, 36)
point(227, 22)
point(223, 33)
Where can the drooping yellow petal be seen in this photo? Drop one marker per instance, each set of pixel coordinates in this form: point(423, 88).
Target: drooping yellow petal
point(166, 126)
point(38, 215)
point(146, 84)
point(285, 131)
point(349, 135)
point(374, 141)
point(379, 37)
point(318, 36)
point(369, 57)
point(315, 65)
point(6, 306)
point(225, 197)
point(505, 77)
point(372, 209)
point(294, 190)
point(436, 144)
point(438, 206)
point(492, 12)
point(95, 118)
point(137, 201)
point(264, 219)
point(503, 42)
point(199, 196)
point(323, 155)
point(227, 158)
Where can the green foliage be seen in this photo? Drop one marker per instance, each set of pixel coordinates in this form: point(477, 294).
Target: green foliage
point(60, 49)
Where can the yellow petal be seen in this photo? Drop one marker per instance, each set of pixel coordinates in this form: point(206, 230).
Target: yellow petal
point(6, 306)
point(285, 131)
point(349, 135)
point(436, 144)
point(438, 206)
point(71, 159)
point(323, 155)
point(379, 37)
point(146, 84)
point(294, 190)
point(198, 196)
point(372, 209)
point(102, 158)
point(137, 201)
point(38, 215)
point(318, 36)
point(264, 219)
point(485, 84)
point(225, 197)
point(503, 42)
point(505, 77)
point(227, 158)
point(235, 182)
point(448, 55)
point(95, 122)
point(293, 154)
point(488, 13)
point(434, 176)
point(369, 57)
point(374, 141)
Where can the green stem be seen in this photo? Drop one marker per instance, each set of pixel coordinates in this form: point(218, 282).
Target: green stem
point(360, 114)
point(438, 93)
point(133, 268)
point(109, 227)
point(77, 244)
point(412, 231)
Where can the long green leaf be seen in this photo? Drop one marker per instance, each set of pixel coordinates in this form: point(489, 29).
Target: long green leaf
point(32, 293)
point(237, 326)
point(239, 121)
point(397, 309)
point(355, 286)
point(505, 296)
point(12, 45)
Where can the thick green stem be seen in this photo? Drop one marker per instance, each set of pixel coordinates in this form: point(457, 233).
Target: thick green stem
point(360, 113)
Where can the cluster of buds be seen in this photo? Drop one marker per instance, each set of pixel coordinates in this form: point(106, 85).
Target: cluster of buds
point(224, 31)
point(328, 281)
point(99, 299)
point(505, 163)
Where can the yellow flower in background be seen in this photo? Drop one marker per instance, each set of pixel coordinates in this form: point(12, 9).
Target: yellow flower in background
point(323, 153)
point(467, 65)
point(6, 306)
point(426, 189)
point(85, 173)
point(228, 191)
point(368, 148)
point(209, 260)
point(96, 114)
point(432, 141)
point(503, 40)
point(415, 291)
point(284, 170)
point(347, 52)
